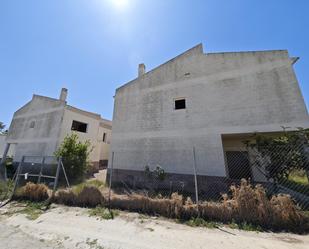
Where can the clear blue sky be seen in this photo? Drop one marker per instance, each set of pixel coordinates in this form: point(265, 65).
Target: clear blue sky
point(94, 46)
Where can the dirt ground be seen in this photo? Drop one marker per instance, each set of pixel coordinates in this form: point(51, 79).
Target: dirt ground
point(67, 227)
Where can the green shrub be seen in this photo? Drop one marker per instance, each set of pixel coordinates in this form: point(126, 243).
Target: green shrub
point(103, 213)
point(75, 156)
point(158, 173)
point(6, 188)
point(33, 210)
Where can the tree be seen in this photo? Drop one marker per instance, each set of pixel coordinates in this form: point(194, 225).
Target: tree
point(284, 153)
point(75, 156)
point(2, 128)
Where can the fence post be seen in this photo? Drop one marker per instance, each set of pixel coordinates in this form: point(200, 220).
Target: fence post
point(41, 169)
point(57, 174)
point(306, 150)
point(65, 174)
point(17, 176)
point(110, 181)
point(195, 177)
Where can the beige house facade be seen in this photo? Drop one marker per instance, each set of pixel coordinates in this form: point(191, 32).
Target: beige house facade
point(39, 127)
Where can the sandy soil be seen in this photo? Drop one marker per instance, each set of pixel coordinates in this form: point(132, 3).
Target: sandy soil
point(64, 227)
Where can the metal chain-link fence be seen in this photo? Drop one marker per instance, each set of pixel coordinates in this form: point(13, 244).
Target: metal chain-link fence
point(279, 169)
point(48, 170)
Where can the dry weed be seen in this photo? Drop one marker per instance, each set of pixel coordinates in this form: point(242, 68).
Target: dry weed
point(90, 196)
point(33, 192)
point(246, 204)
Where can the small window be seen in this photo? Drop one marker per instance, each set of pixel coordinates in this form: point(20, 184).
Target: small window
point(79, 126)
point(32, 124)
point(180, 104)
point(104, 137)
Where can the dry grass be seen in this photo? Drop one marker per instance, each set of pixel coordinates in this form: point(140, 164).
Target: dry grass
point(88, 196)
point(65, 197)
point(246, 204)
point(251, 204)
point(138, 203)
point(33, 192)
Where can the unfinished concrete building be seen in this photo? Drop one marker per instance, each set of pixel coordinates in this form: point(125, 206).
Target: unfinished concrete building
point(39, 127)
point(209, 101)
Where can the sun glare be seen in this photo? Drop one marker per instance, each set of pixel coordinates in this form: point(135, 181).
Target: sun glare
point(120, 3)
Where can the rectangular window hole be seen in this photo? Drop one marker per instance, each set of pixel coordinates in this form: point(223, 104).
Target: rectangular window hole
point(180, 104)
point(79, 126)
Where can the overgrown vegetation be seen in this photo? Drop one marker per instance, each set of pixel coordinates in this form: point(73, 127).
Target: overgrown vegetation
point(299, 177)
point(199, 222)
point(157, 173)
point(33, 210)
point(247, 207)
point(75, 156)
point(103, 213)
point(2, 128)
point(85, 194)
point(6, 188)
point(285, 153)
point(90, 183)
point(297, 181)
point(33, 192)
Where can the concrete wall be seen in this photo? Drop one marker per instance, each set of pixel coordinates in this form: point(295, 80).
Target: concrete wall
point(45, 116)
point(225, 93)
point(2, 146)
point(52, 119)
point(94, 132)
point(104, 146)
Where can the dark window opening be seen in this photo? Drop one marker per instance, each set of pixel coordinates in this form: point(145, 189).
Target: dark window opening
point(79, 126)
point(104, 137)
point(180, 104)
point(238, 164)
point(32, 124)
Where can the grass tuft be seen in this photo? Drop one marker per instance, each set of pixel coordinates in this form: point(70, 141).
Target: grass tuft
point(103, 213)
point(199, 222)
point(33, 210)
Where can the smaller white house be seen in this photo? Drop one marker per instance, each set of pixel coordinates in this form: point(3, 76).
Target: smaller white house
point(39, 127)
point(2, 146)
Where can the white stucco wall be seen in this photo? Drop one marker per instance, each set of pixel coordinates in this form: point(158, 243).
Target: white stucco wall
point(41, 140)
point(52, 122)
point(225, 93)
point(3, 145)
